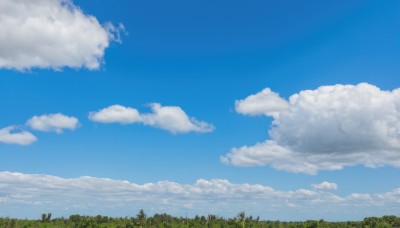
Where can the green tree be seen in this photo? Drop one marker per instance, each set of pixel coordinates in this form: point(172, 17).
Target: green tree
point(48, 217)
point(211, 220)
point(75, 218)
point(241, 216)
point(43, 217)
point(141, 217)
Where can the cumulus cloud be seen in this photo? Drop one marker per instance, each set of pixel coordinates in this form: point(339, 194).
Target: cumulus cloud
point(116, 114)
point(51, 34)
point(53, 122)
point(90, 195)
point(174, 119)
point(326, 129)
point(170, 118)
point(325, 186)
point(11, 135)
point(265, 102)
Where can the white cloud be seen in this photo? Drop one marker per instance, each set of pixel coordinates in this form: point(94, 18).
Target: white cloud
point(9, 135)
point(51, 34)
point(29, 193)
point(327, 129)
point(325, 186)
point(174, 119)
point(53, 122)
point(116, 114)
point(265, 102)
point(170, 118)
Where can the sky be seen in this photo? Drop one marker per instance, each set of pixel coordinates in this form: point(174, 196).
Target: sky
point(286, 110)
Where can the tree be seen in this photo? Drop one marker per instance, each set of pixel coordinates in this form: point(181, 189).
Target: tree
point(43, 217)
point(241, 216)
point(75, 218)
point(211, 220)
point(48, 217)
point(141, 217)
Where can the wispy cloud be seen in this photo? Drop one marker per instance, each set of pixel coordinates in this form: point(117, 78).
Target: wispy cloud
point(51, 34)
point(324, 129)
point(170, 118)
point(325, 186)
point(90, 195)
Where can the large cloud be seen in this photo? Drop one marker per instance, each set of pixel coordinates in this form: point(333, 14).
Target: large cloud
point(53, 122)
point(170, 118)
point(11, 135)
point(51, 34)
point(326, 129)
point(28, 195)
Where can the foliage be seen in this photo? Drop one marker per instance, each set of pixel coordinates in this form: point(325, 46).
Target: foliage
point(141, 220)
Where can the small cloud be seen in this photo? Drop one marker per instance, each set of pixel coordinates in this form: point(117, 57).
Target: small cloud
point(325, 186)
point(53, 123)
point(174, 120)
point(265, 102)
point(360, 197)
point(10, 135)
point(115, 114)
point(170, 118)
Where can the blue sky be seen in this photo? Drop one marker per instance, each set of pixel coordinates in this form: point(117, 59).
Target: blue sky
point(198, 58)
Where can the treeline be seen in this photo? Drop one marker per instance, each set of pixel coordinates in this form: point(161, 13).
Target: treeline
point(167, 221)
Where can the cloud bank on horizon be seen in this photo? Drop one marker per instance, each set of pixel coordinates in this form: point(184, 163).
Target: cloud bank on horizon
point(324, 129)
point(51, 34)
point(90, 195)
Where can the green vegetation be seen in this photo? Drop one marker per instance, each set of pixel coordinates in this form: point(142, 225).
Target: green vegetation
point(141, 220)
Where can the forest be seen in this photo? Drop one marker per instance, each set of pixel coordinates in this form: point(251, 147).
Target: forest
point(141, 220)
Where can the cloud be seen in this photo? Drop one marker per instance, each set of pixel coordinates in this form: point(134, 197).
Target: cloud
point(326, 129)
point(53, 122)
point(174, 119)
point(116, 114)
point(170, 118)
point(325, 186)
point(265, 102)
point(10, 136)
point(30, 193)
point(51, 34)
